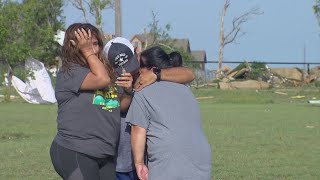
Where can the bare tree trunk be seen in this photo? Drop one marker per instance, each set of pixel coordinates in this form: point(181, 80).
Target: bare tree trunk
point(221, 50)
point(98, 18)
point(79, 5)
point(229, 37)
point(222, 38)
point(94, 7)
point(85, 15)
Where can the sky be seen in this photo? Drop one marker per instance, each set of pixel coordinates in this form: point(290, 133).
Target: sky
point(287, 31)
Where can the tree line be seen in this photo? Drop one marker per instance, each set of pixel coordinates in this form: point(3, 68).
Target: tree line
point(27, 29)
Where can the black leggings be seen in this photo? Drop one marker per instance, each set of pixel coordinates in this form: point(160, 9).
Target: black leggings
point(72, 165)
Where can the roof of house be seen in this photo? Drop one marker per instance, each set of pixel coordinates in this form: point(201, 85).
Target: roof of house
point(143, 37)
point(176, 43)
point(199, 55)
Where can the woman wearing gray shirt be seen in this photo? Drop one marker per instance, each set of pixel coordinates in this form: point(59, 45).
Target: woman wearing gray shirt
point(88, 108)
point(166, 117)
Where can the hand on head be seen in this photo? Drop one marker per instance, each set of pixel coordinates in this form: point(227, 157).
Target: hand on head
point(84, 42)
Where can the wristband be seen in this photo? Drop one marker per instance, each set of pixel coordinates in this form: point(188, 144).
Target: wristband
point(89, 56)
point(157, 72)
point(129, 93)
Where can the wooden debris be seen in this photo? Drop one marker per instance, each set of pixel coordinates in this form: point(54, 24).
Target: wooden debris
point(207, 97)
point(298, 97)
point(281, 93)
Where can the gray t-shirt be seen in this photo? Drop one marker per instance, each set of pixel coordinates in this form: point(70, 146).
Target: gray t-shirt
point(177, 147)
point(124, 157)
point(88, 121)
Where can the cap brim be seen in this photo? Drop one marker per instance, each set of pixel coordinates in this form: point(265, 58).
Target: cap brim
point(130, 66)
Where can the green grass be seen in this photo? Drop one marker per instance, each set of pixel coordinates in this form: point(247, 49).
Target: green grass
point(26, 132)
point(253, 135)
point(257, 141)
point(268, 96)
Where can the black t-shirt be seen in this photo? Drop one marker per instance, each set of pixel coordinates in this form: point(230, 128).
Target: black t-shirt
point(88, 121)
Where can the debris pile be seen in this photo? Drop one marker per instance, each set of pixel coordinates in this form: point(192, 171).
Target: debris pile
point(258, 75)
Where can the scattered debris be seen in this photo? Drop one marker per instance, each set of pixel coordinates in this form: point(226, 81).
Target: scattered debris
point(11, 96)
point(288, 73)
point(248, 84)
point(310, 78)
point(37, 89)
point(275, 77)
point(309, 126)
point(206, 97)
point(314, 102)
point(297, 97)
point(281, 93)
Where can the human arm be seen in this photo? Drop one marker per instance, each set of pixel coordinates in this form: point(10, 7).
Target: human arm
point(125, 101)
point(180, 75)
point(98, 77)
point(138, 143)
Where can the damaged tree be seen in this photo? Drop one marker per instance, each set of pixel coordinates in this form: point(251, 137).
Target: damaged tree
point(95, 8)
point(227, 38)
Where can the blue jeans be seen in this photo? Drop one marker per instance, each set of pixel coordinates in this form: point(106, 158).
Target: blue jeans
point(132, 175)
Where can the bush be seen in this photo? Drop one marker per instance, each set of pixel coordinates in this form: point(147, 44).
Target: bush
point(6, 93)
point(21, 73)
point(3, 71)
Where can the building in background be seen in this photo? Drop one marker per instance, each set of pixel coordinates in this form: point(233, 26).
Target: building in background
point(201, 57)
point(142, 41)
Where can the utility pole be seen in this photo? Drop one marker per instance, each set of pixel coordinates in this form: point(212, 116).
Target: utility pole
point(118, 22)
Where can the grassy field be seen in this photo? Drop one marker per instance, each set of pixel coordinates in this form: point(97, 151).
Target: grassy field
point(253, 135)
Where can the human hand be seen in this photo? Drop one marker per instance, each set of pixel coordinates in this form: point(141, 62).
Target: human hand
point(145, 79)
point(142, 171)
point(125, 81)
point(84, 42)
